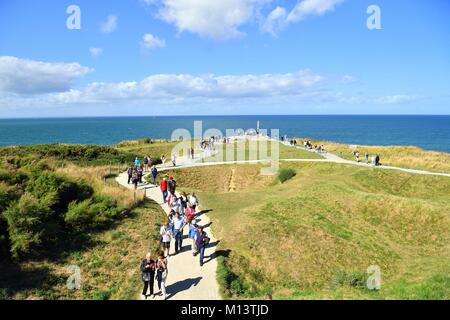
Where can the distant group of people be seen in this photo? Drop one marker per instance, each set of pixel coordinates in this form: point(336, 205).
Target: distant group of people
point(375, 160)
point(309, 146)
point(136, 172)
point(182, 215)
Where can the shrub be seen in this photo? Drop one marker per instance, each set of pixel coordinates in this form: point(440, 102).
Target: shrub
point(94, 212)
point(353, 279)
point(59, 191)
point(286, 174)
point(228, 280)
point(28, 224)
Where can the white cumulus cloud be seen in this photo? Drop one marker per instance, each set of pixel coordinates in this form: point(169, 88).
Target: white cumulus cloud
point(109, 25)
point(149, 41)
point(275, 20)
point(217, 19)
point(305, 8)
point(24, 76)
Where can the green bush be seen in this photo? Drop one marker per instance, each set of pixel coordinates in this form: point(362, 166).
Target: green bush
point(77, 153)
point(352, 279)
point(94, 212)
point(286, 174)
point(58, 190)
point(230, 283)
point(28, 224)
point(101, 295)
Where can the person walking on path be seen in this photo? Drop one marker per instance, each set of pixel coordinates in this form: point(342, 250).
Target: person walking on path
point(135, 177)
point(174, 160)
point(148, 267)
point(193, 230)
point(161, 274)
point(140, 173)
point(145, 163)
point(202, 242)
point(172, 185)
point(154, 175)
point(136, 162)
point(165, 238)
point(367, 157)
point(193, 201)
point(183, 201)
point(163, 187)
point(130, 174)
point(178, 225)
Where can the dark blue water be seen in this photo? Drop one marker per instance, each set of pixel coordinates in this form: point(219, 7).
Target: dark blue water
point(427, 132)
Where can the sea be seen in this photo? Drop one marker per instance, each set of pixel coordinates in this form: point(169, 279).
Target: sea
point(430, 132)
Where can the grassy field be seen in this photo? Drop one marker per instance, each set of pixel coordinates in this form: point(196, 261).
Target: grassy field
point(154, 150)
point(400, 156)
point(246, 150)
point(314, 236)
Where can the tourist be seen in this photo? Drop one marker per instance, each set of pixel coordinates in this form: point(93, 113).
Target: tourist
point(367, 157)
point(136, 162)
point(171, 216)
point(193, 230)
point(193, 201)
point(178, 225)
point(183, 201)
point(145, 163)
point(357, 155)
point(377, 160)
point(174, 160)
point(163, 159)
point(148, 274)
point(192, 153)
point(163, 187)
point(140, 173)
point(165, 238)
point(189, 213)
point(175, 203)
point(135, 177)
point(161, 274)
point(130, 174)
point(172, 185)
point(154, 172)
point(202, 242)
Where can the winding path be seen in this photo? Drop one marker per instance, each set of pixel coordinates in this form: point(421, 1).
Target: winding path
point(186, 279)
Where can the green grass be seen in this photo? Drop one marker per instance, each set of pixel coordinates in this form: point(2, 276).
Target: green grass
point(109, 265)
point(329, 219)
point(246, 150)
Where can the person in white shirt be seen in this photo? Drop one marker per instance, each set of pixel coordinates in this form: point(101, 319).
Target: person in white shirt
point(165, 239)
point(193, 201)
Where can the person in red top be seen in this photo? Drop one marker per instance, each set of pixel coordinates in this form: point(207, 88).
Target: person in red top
point(163, 187)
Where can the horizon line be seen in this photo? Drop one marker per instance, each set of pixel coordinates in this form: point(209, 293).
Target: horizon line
point(219, 115)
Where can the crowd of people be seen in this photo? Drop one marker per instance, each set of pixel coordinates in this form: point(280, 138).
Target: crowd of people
point(182, 214)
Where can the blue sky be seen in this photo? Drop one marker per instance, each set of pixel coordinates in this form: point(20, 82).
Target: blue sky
point(184, 57)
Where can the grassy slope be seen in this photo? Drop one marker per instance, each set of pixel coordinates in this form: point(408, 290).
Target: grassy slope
point(329, 218)
point(401, 156)
point(103, 255)
point(109, 264)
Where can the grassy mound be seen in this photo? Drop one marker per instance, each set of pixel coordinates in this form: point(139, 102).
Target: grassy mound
point(315, 235)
